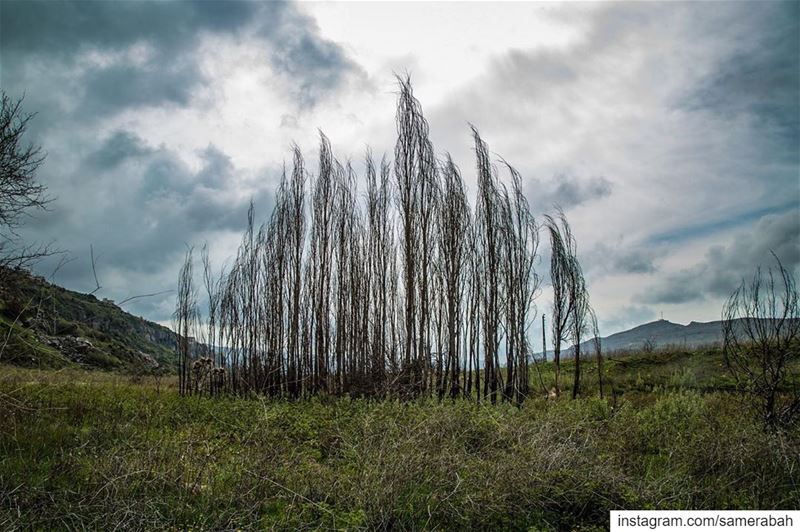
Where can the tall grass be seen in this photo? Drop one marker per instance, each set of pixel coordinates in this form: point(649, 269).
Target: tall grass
point(95, 451)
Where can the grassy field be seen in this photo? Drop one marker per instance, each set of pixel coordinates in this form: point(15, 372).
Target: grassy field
point(93, 450)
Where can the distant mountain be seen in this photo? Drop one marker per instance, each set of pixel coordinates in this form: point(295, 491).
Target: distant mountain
point(45, 325)
point(655, 335)
point(663, 333)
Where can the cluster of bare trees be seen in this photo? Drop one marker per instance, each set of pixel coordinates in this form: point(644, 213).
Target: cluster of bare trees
point(572, 314)
point(404, 291)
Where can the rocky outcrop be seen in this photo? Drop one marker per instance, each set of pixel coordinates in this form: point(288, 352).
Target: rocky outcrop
point(74, 348)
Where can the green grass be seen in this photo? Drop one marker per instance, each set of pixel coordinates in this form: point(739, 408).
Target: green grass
point(92, 450)
point(702, 370)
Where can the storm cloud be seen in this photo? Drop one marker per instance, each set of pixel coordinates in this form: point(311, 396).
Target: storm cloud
point(760, 77)
point(566, 191)
point(118, 55)
point(724, 267)
point(668, 132)
point(141, 210)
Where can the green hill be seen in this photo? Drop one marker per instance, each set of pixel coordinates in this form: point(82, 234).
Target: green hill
point(47, 326)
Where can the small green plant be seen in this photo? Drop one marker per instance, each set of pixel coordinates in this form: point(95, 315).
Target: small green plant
point(683, 378)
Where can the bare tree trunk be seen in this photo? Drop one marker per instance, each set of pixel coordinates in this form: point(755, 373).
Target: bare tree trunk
point(185, 317)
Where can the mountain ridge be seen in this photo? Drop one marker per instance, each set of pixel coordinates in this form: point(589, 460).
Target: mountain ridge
point(662, 333)
point(658, 334)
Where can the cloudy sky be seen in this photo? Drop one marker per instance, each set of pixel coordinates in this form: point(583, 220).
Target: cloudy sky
point(669, 132)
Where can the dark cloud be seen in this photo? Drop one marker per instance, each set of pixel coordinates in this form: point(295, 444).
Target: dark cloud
point(618, 258)
point(312, 66)
point(566, 191)
point(141, 209)
point(53, 35)
point(119, 86)
point(217, 168)
point(63, 28)
point(683, 287)
point(117, 148)
point(724, 267)
point(42, 43)
point(635, 261)
point(709, 227)
point(759, 76)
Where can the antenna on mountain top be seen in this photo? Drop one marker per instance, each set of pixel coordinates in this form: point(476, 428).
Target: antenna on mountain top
point(662, 314)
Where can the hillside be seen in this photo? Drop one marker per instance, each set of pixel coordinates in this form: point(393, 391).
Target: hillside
point(45, 325)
